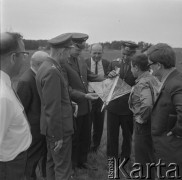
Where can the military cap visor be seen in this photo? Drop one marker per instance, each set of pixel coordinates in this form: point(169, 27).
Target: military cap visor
point(79, 38)
point(130, 45)
point(63, 40)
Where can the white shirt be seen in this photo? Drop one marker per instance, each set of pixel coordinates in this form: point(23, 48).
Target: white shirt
point(99, 67)
point(15, 135)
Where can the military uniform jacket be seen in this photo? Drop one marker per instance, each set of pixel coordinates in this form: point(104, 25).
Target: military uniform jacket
point(78, 76)
point(120, 105)
point(56, 109)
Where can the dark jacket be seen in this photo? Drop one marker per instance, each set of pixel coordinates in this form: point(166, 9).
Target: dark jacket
point(105, 64)
point(28, 94)
point(120, 106)
point(78, 76)
point(56, 109)
point(167, 116)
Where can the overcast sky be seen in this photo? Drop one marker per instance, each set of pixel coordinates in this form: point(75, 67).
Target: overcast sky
point(103, 20)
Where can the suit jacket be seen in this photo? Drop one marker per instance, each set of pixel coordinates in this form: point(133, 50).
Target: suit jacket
point(120, 106)
point(105, 63)
point(56, 109)
point(78, 76)
point(167, 116)
point(28, 94)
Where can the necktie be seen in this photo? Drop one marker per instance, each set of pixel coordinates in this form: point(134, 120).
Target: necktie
point(96, 67)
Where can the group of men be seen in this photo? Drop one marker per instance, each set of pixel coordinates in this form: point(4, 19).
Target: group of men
point(47, 121)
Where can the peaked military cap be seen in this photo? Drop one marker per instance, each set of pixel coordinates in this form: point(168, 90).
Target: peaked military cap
point(63, 40)
point(130, 44)
point(79, 39)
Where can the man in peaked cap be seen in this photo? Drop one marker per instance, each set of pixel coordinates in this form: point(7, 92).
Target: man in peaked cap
point(119, 113)
point(56, 115)
point(79, 39)
point(78, 76)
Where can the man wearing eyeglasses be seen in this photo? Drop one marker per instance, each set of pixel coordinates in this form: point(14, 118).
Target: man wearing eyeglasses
point(56, 110)
point(27, 91)
point(15, 136)
point(166, 118)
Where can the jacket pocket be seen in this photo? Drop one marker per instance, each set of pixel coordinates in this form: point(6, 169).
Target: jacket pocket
point(171, 121)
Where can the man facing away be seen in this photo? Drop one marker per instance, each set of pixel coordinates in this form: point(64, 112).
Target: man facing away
point(98, 66)
point(27, 91)
point(166, 117)
point(56, 110)
point(15, 136)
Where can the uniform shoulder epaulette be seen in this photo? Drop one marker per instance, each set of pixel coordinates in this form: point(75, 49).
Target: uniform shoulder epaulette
point(53, 66)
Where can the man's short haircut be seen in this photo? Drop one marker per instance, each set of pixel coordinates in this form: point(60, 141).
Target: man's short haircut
point(11, 43)
point(141, 61)
point(163, 54)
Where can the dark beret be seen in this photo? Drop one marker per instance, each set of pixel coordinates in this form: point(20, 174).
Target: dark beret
point(130, 44)
point(79, 39)
point(61, 41)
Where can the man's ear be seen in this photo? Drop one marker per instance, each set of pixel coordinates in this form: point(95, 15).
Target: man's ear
point(13, 59)
point(160, 65)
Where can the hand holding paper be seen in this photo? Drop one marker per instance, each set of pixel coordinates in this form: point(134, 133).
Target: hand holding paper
point(91, 96)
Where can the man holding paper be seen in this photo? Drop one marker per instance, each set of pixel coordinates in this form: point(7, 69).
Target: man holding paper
point(119, 113)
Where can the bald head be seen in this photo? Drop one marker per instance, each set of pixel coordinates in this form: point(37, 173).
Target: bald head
point(37, 59)
point(96, 52)
point(97, 47)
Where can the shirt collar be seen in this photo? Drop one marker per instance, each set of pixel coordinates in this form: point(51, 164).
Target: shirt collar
point(5, 78)
point(33, 70)
point(145, 74)
point(95, 61)
point(166, 76)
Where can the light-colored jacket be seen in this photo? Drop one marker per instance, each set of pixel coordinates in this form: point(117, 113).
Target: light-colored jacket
point(143, 96)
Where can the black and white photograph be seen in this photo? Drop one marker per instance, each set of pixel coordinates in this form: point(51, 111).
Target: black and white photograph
point(90, 89)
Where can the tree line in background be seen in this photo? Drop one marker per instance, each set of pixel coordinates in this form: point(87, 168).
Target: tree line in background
point(114, 45)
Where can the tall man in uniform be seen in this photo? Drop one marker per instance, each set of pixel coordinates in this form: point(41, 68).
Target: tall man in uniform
point(27, 91)
point(56, 110)
point(78, 76)
point(99, 66)
point(119, 113)
point(15, 135)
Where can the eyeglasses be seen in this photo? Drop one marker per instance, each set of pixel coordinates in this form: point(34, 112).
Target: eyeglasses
point(150, 64)
point(25, 53)
point(21, 52)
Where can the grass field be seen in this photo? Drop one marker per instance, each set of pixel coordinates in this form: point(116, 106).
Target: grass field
point(100, 159)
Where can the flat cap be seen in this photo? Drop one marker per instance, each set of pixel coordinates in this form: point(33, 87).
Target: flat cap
point(79, 39)
point(63, 40)
point(130, 44)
